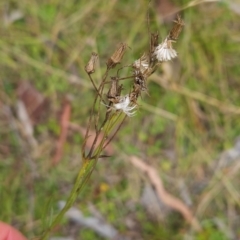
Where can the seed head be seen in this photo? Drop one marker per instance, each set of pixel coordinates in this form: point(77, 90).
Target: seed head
point(90, 67)
point(164, 51)
point(123, 104)
point(114, 90)
point(117, 56)
point(142, 63)
point(143, 67)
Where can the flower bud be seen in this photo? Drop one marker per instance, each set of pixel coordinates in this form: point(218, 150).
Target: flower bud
point(117, 56)
point(112, 93)
point(90, 67)
point(177, 28)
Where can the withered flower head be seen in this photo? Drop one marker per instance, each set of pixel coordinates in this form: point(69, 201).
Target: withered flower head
point(141, 71)
point(114, 90)
point(142, 63)
point(177, 28)
point(140, 81)
point(90, 67)
point(142, 66)
point(164, 51)
point(117, 56)
point(124, 105)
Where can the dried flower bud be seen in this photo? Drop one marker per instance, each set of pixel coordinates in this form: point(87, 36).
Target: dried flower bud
point(117, 56)
point(177, 28)
point(90, 67)
point(114, 88)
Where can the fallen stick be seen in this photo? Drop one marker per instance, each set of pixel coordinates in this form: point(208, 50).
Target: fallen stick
point(165, 197)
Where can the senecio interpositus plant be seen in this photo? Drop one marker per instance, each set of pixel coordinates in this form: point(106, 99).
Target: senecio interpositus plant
point(117, 106)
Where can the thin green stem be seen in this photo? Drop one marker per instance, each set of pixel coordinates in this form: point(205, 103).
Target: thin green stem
point(82, 177)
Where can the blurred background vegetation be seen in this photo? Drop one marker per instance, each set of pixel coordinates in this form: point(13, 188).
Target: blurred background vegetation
point(187, 127)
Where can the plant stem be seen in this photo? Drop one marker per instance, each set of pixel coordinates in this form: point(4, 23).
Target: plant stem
point(84, 174)
point(82, 177)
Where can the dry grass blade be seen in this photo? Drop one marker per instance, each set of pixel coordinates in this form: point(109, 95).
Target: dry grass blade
point(25, 120)
point(197, 2)
point(222, 106)
point(160, 112)
point(216, 187)
point(66, 113)
point(189, 5)
point(71, 78)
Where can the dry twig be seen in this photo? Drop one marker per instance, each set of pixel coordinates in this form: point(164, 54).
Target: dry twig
point(65, 117)
point(166, 197)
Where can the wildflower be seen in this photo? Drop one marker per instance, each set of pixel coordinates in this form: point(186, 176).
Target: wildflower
point(90, 67)
point(164, 51)
point(123, 104)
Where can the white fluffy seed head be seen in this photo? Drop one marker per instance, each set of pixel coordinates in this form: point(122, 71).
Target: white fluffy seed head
point(164, 51)
point(123, 105)
point(141, 63)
